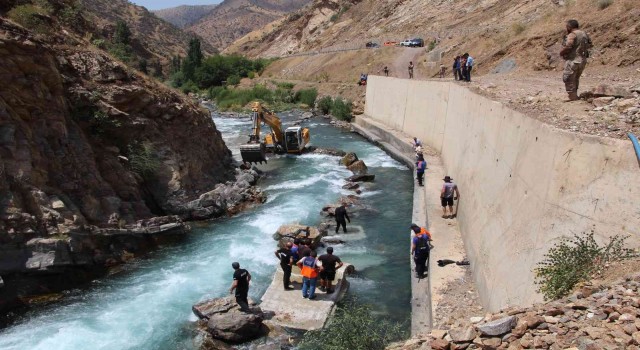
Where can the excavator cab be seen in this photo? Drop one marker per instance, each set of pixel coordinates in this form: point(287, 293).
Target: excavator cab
point(295, 139)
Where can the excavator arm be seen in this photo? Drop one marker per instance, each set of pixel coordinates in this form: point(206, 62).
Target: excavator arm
point(255, 150)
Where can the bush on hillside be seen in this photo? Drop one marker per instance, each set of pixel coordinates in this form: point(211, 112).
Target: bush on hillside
point(233, 80)
point(189, 87)
point(576, 259)
point(603, 4)
point(31, 17)
point(518, 28)
point(307, 96)
point(341, 109)
point(325, 104)
point(143, 159)
point(354, 327)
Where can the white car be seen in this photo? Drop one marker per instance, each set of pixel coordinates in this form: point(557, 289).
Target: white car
point(407, 42)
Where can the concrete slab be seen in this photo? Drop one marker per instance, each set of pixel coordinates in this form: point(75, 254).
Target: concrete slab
point(293, 311)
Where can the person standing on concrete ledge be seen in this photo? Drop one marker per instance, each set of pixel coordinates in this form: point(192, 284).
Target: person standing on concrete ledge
point(241, 279)
point(330, 264)
point(341, 215)
point(410, 70)
point(286, 260)
point(309, 270)
point(416, 143)
point(420, 250)
point(447, 196)
point(421, 166)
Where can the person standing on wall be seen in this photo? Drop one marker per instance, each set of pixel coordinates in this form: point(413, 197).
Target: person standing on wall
point(447, 196)
point(341, 215)
point(420, 248)
point(463, 68)
point(386, 71)
point(470, 63)
point(575, 50)
point(456, 68)
point(411, 70)
point(241, 279)
point(421, 166)
point(286, 260)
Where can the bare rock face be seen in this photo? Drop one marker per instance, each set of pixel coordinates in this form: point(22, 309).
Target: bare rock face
point(225, 321)
point(349, 159)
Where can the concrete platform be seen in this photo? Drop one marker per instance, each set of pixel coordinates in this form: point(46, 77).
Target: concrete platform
point(293, 311)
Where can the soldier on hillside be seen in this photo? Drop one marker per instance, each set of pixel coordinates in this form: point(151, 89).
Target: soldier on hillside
point(575, 50)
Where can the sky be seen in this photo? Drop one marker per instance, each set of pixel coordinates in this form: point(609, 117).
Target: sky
point(163, 4)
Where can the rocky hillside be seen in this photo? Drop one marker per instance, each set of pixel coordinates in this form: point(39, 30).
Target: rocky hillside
point(185, 15)
point(233, 19)
point(595, 317)
point(98, 162)
point(528, 32)
point(152, 36)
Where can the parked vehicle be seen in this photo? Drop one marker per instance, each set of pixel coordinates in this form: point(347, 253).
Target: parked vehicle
point(390, 43)
point(416, 42)
point(372, 44)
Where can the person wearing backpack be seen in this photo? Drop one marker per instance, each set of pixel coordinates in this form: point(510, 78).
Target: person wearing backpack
point(421, 166)
point(420, 250)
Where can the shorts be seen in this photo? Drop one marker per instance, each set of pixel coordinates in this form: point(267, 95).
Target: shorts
point(327, 275)
point(446, 201)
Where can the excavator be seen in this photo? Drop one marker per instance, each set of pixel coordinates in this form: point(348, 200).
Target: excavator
point(292, 140)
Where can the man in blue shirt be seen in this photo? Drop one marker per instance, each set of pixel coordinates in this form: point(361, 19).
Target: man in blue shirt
point(470, 63)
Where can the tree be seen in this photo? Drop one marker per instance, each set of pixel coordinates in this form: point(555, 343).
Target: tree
point(142, 66)
point(193, 59)
point(122, 34)
point(176, 64)
point(157, 69)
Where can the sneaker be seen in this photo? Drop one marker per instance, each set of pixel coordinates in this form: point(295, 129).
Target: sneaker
point(288, 288)
point(312, 297)
point(305, 296)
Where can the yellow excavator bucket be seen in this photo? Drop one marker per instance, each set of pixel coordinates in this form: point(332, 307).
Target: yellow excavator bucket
point(253, 153)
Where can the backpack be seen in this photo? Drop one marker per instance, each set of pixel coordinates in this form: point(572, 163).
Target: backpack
point(422, 246)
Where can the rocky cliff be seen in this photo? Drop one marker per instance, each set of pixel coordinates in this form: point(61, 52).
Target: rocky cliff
point(97, 162)
point(184, 15)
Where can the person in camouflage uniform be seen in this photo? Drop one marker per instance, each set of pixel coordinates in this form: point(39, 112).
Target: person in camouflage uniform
point(575, 50)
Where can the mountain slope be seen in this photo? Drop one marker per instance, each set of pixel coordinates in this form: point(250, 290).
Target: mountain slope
point(185, 15)
point(233, 19)
point(152, 36)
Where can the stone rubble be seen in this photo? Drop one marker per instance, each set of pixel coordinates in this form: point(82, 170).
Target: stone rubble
point(592, 318)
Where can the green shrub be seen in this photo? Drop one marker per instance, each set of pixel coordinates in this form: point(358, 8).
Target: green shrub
point(99, 43)
point(101, 123)
point(30, 17)
point(574, 260)
point(603, 4)
point(71, 16)
point(189, 87)
point(177, 79)
point(143, 159)
point(122, 52)
point(233, 80)
point(341, 109)
point(324, 76)
point(284, 95)
point(354, 327)
point(251, 75)
point(432, 45)
point(325, 104)
point(216, 91)
point(307, 96)
point(284, 85)
point(518, 28)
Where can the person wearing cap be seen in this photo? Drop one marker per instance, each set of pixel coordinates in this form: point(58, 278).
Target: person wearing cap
point(447, 196)
point(420, 247)
point(241, 279)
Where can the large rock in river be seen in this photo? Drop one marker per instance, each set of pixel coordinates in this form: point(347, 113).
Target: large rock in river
point(349, 159)
point(361, 178)
point(287, 233)
point(358, 167)
point(226, 322)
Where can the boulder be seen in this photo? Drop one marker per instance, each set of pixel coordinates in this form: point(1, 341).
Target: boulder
point(329, 151)
point(226, 322)
point(603, 90)
point(603, 101)
point(351, 186)
point(358, 167)
point(235, 326)
point(361, 178)
point(462, 335)
point(287, 233)
point(439, 344)
point(349, 159)
point(497, 327)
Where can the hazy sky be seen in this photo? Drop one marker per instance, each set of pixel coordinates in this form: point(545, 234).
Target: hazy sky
point(163, 4)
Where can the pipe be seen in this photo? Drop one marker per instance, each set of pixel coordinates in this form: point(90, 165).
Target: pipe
point(636, 145)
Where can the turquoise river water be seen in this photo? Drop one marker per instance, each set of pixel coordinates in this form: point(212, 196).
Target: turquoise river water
point(148, 305)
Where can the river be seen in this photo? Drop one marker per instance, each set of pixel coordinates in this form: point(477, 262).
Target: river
point(148, 305)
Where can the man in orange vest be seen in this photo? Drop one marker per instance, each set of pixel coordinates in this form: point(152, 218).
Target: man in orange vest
point(309, 270)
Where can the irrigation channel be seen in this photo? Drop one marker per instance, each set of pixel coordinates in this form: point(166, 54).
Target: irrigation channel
point(148, 305)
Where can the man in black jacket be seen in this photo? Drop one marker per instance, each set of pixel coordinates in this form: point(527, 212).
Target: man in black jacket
point(286, 260)
point(341, 215)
